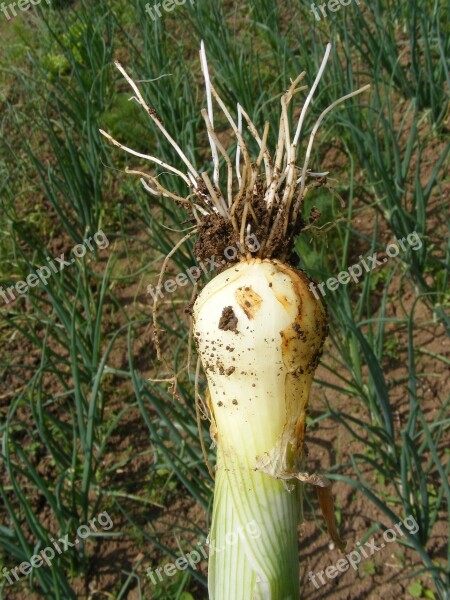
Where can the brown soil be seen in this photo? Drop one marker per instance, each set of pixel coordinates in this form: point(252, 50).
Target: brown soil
point(228, 320)
point(216, 234)
point(382, 575)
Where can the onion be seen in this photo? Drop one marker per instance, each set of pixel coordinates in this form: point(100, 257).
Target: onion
point(259, 331)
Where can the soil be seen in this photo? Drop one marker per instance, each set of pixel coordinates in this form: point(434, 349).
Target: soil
point(384, 574)
point(216, 234)
point(228, 320)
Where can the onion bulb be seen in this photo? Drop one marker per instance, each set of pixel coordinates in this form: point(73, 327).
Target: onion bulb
point(260, 332)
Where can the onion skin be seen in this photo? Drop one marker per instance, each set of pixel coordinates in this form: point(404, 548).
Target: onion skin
point(260, 332)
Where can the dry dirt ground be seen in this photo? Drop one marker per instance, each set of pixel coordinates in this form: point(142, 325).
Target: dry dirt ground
point(381, 575)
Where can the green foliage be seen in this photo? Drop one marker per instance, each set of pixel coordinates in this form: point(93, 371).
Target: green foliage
point(368, 568)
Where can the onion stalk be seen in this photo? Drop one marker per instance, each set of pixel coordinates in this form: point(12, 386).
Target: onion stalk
point(259, 331)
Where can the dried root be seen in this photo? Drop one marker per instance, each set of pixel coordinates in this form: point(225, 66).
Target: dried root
point(263, 194)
